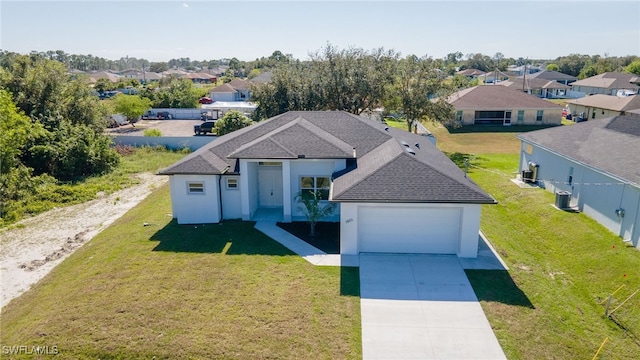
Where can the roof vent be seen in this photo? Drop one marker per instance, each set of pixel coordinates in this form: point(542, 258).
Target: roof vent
point(386, 128)
point(410, 151)
point(417, 146)
point(406, 144)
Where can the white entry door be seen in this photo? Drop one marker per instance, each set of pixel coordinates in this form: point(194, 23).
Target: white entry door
point(270, 186)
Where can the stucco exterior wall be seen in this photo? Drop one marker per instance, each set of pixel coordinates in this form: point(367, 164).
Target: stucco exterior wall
point(231, 205)
point(592, 113)
point(195, 208)
point(300, 168)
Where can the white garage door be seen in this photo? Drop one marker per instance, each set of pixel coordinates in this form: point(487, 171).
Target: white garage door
point(408, 230)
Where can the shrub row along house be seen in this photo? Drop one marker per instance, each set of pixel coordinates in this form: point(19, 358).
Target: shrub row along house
point(396, 192)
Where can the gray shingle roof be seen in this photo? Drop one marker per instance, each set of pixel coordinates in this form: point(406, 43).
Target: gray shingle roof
point(551, 75)
point(610, 80)
point(494, 97)
point(609, 102)
point(610, 145)
point(516, 83)
point(385, 171)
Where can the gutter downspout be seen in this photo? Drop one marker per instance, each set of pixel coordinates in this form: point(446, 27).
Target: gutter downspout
point(220, 192)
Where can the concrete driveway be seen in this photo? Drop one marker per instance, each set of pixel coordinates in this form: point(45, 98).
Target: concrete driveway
point(421, 307)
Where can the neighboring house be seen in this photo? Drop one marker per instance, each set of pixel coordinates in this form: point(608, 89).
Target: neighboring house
point(395, 191)
point(236, 90)
point(539, 87)
point(607, 83)
point(552, 75)
point(502, 105)
point(492, 77)
point(521, 69)
point(146, 77)
point(597, 162)
point(603, 106)
point(93, 77)
point(200, 78)
point(471, 73)
point(130, 73)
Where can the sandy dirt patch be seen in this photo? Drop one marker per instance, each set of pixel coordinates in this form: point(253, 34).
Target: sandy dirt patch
point(36, 245)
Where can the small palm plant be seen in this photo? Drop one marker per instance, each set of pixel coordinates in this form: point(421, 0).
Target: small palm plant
point(313, 209)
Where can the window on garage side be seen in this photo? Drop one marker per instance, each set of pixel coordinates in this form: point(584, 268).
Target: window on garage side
point(232, 183)
point(195, 188)
point(311, 184)
point(539, 115)
point(520, 116)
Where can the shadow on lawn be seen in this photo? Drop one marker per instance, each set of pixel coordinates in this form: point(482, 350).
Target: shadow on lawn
point(230, 237)
point(349, 281)
point(497, 286)
point(327, 236)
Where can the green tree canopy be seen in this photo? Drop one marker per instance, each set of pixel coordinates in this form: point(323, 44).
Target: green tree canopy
point(231, 121)
point(179, 93)
point(131, 106)
point(634, 67)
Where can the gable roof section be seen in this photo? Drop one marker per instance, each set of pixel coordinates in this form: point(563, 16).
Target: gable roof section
point(224, 88)
point(551, 75)
point(533, 84)
point(609, 145)
point(470, 72)
point(610, 80)
point(609, 102)
point(493, 97)
point(392, 174)
point(297, 138)
point(361, 133)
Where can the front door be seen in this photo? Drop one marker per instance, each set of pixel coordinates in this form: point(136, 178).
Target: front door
point(507, 118)
point(270, 186)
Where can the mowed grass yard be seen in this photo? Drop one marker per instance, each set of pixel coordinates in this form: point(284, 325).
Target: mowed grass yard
point(177, 291)
point(563, 265)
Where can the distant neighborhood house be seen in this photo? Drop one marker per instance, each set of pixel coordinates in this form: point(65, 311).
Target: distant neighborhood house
point(601, 106)
point(609, 83)
point(502, 105)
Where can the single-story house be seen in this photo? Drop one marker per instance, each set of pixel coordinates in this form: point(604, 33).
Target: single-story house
point(236, 90)
point(222, 107)
point(608, 83)
point(539, 87)
point(551, 75)
point(601, 106)
point(597, 163)
point(395, 191)
point(502, 105)
point(493, 77)
point(470, 73)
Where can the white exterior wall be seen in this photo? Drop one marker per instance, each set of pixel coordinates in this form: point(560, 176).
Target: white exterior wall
point(194, 208)
point(231, 203)
point(596, 194)
point(222, 96)
point(469, 225)
point(249, 188)
point(300, 168)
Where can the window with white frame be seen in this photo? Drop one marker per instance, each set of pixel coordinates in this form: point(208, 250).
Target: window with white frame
point(520, 116)
point(315, 184)
point(539, 115)
point(459, 116)
point(195, 188)
point(232, 183)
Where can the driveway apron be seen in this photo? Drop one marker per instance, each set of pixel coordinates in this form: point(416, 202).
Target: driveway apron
point(418, 306)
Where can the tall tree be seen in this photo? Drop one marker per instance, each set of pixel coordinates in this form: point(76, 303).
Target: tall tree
point(421, 92)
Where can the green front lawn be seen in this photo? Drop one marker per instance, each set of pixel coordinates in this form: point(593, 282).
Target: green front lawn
point(185, 291)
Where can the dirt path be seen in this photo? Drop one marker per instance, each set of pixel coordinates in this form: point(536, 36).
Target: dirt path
point(38, 244)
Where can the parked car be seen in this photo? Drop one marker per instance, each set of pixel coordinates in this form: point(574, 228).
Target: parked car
point(205, 100)
point(204, 128)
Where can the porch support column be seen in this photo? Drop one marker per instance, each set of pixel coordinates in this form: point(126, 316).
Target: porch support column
point(286, 191)
point(244, 191)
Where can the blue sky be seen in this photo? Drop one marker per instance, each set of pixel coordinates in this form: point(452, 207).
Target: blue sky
point(162, 30)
